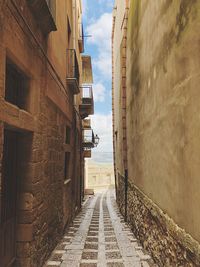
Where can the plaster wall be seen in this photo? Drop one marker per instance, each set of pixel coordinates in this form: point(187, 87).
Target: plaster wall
point(163, 106)
point(118, 13)
point(57, 41)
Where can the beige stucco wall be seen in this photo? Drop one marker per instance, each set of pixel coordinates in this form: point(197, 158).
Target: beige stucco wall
point(57, 42)
point(163, 106)
point(65, 10)
point(118, 13)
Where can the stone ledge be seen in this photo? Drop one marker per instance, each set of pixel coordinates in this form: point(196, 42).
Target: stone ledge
point(15, 117)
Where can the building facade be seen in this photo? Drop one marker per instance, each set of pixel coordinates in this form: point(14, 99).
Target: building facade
point(99, 176)
point(42, 107)
point(156, 125)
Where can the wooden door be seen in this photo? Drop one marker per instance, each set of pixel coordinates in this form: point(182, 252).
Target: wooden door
point(8, 200)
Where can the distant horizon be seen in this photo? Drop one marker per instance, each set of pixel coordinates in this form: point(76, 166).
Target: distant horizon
point(102, 157)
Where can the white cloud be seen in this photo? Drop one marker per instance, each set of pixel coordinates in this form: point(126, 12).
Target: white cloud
point(102, 125)
point(101, 30)
point(99, 92)
point(104, 64)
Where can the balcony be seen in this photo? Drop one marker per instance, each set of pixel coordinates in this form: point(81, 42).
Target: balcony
point(44, 11)
point(89, 139)
point(87, 103)
point(81, 38)
point(73, 75)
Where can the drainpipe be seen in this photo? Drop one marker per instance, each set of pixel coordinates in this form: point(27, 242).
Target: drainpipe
point(74, 24)
point(126, 193)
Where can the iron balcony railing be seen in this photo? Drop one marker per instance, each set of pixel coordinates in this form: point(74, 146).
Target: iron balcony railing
point(73, 75)
point(87, 102)
point(89, 139)
point(87, 95)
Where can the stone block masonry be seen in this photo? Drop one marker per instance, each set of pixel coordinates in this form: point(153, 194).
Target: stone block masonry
point(168, 244)
point(45, 202)
point(1, 149)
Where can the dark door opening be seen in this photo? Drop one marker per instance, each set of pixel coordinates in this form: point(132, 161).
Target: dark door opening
point(8, 199)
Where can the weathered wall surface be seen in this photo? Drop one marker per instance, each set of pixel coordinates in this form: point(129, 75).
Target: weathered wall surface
point(118, 32)
point(45, 202)
point(163, 113)
point(55, 40)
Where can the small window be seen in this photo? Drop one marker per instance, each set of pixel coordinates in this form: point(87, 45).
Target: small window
point(68, 135)
point(67, 164)
point(16, 86)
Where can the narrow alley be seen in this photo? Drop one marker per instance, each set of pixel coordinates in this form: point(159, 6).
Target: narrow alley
point(99, 133)
point(99, 237)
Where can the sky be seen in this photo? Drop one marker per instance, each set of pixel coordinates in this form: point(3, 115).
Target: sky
point(97, 21)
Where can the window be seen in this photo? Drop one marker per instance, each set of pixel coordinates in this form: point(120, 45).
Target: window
point(67, 135)
point(67, 164)
point(52, 7)
point(16, 86)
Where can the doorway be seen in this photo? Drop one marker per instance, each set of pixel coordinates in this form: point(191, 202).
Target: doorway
point(9, 189)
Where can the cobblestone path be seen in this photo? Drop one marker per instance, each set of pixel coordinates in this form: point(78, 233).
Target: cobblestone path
point(99, 237)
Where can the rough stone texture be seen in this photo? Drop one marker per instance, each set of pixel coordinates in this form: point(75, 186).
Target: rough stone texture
point(79, 252)
point(46, 205)
point(1, 153)
point(168, 244)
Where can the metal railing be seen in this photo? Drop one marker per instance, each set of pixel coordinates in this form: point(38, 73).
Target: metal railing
point(72, 65)
point(88, 138)
point(87, 95)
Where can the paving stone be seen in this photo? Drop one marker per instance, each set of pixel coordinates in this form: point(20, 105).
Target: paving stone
point(88, 264)
point(115, 264)
point(92, 239)
point(99, 237)
point(91, 245)
point(111, 246)
point(53, 263)
point(110, 239)
point(90, 233)
point(113, 255)
point(90, 255)
point(145, 264)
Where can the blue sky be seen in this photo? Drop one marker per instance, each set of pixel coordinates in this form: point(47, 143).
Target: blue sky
point(97, 20)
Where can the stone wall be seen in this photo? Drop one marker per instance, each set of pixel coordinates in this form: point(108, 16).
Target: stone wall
point(1, 155)
point(44, 206)
point(159, 234)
